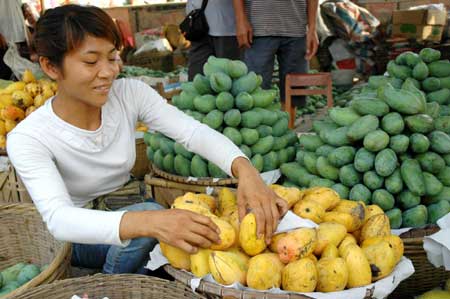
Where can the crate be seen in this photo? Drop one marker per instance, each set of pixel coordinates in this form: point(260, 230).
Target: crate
point(12, 189)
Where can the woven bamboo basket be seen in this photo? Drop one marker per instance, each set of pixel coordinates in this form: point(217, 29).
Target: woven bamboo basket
point(190, 181)
point(426, 276)
point(120, 286)
point(25, 238)
point(165, 191)
point(141, 164)
point(216, 291)
point(12, 189)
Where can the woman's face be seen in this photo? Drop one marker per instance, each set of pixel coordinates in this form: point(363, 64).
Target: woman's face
point(89, 71)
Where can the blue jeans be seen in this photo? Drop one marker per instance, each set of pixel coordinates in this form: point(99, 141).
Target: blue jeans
point(290, 52)
point(116, 259)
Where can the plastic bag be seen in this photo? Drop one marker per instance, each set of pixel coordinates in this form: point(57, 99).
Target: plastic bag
point(19, 64)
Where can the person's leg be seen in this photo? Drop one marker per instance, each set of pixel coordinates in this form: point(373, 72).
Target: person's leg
point(132, 258)
point(198, 55)
point(291, 58)
point(89, 256)
point(261, 56)
point(226, 47)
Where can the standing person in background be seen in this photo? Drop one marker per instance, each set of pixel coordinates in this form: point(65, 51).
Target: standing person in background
point(31, 16)
point(287, 29)
point(221, 40)
point(12, 23)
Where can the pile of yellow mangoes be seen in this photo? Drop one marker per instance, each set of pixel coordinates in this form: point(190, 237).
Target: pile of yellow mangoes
point(352, 246)
point(20, 99)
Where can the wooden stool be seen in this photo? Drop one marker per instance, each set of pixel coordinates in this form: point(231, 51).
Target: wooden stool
point(295, 86)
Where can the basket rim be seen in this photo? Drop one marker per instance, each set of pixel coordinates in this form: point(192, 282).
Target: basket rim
point(61, 255)
point(218, 290)
point(101, 278)
point(419, 233)
point(187, 180)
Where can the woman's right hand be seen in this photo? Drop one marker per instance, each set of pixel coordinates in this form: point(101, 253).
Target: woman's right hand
point(184, 229)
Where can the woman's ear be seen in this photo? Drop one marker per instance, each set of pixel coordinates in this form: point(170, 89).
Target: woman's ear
point(49, 68)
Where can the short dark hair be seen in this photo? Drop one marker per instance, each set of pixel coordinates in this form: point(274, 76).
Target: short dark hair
point(62, 29)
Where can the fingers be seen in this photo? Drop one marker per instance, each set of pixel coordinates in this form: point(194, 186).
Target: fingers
point(208, 235)
point(275, 218)
point(185, 246)
point(269, 221)
point(260, 217)
point(282, 206)
point(205, 221)
point(242, 207)
point(249, 37)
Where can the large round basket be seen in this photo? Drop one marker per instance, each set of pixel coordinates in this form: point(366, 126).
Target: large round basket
point(25, 238)
point(196, 181)
point(119, 286)
point(216, 291)
point(426, 276)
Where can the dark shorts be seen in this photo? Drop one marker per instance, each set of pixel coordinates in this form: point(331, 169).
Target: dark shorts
point(290, 52)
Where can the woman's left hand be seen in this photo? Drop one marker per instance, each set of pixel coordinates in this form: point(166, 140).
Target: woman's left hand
point(253, 195)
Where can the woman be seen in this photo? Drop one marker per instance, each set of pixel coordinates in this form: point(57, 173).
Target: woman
point(80, 145)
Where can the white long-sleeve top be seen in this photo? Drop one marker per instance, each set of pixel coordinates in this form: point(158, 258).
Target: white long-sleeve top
point(64, 167)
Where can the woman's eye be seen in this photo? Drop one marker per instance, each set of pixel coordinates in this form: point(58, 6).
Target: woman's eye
point(90, 62)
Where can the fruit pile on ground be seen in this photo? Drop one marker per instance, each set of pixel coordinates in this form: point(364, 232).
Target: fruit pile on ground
point(351, 247)
point(389, 147)
point(15, 276)
point(20, 99)
point(228, 99)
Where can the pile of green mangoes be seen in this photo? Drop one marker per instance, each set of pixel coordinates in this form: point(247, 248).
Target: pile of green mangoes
point(390, 146)
point(15, 276)
point(229, 99)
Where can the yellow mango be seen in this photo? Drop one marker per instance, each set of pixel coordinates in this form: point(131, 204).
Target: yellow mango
point(248, 239)
point(47, 92)
point(240, 254)
point(289, 194)
point(435, 294)
point(13, 87)
point(227, 268)
point(342, 218)
point(5, 100)
point(330, 251)
point(28, 77)
point(299, 276)
point(9, 125)
point(2, 128)
point(356, 209)
point(273, 246)
point(233, 219)
point(264, 271)
point(12, 113)
point(227, 234)
point(177, 257)
point(329, 233)
point(190, 198)
point(297, 244)
point(396, 244)
point(372, 210)
point(349, 239)
point(30, 110)
point(310, 209)
point(39, 100)
point(227, 202)
point(193, 207)
point(200, 262)
point(359, 273)
point(326, 197)
point(381, 258)
point(33, 89)
point(22, 99)
point(54, 86)
point(332, 274)
point(376, 226)
point(209, 200)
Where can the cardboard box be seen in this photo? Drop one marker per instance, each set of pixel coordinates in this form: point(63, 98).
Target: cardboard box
point(420, 17)
point(405, 4)
point(419, 32)
point(382, 10)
